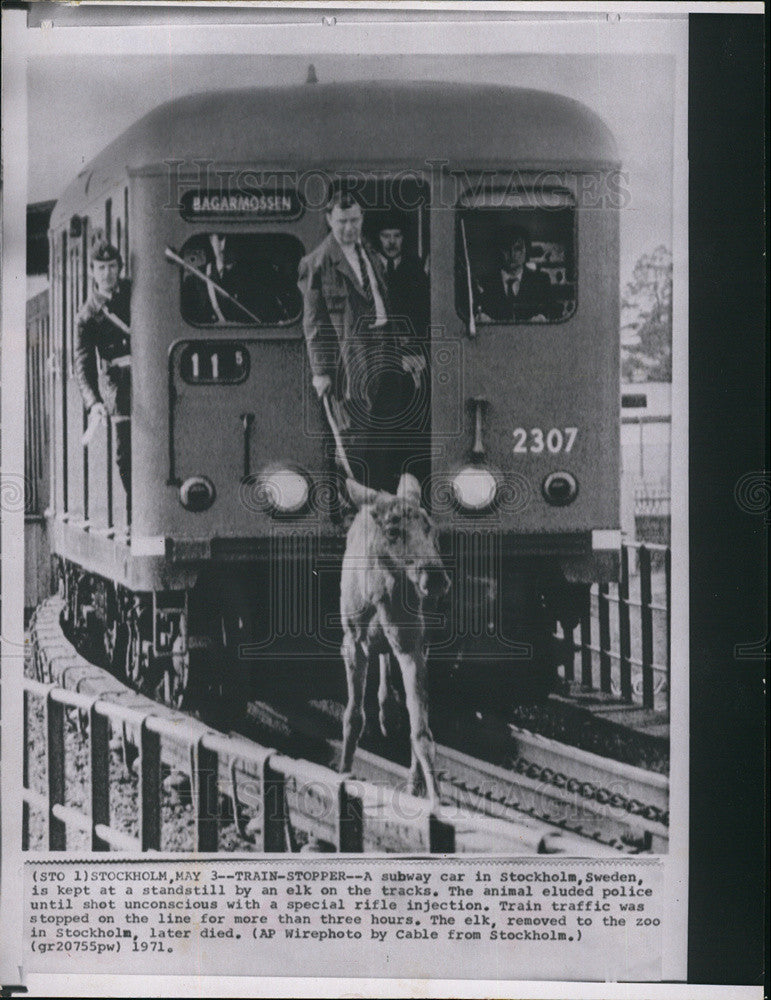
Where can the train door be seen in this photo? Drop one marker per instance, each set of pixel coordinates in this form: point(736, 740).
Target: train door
point(396, 225)
point(104, 498)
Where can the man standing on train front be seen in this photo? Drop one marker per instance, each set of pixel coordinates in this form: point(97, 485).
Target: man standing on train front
point(102, 358)
point(358, 358)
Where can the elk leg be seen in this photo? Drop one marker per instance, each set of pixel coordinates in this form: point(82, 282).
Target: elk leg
point(386, 697)
point(414, 674)
point(355, 658)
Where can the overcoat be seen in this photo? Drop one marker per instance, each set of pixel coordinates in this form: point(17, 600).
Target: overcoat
point(337, 321)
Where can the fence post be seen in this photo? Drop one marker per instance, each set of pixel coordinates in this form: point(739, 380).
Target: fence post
point(646, 623)
point(25, 776)
point(441, 836)
point(350, 821)
point(273, 810)
point(149, 789)
point(99, 747)
point(625, 643)
point(38, 667)
point(604, 612)
point(57, 831)
point(586, 637)
point(206, 789)
point(568, 653)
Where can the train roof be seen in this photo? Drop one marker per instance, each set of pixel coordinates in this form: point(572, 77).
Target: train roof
point(358, 124)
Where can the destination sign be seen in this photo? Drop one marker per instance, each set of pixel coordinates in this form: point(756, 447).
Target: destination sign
point(241, 204)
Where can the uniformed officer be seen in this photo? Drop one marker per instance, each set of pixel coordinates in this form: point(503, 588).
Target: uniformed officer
point(102, 358)
point(409, 293)
point(406, 278)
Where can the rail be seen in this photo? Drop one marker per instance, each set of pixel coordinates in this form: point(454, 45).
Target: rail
point(292, 795)
point(597, 657)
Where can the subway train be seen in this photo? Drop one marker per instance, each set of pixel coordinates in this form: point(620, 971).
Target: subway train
point(229, 569)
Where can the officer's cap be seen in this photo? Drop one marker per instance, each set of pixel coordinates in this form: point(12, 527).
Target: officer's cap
point(102, 250)
point(390, 220)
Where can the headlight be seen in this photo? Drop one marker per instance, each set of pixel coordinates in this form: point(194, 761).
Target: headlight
point(196, 494)
point(475, 488)
point(284, 491)
point(559, 489)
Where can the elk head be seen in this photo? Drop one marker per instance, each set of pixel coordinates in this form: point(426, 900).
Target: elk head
point(404, 537)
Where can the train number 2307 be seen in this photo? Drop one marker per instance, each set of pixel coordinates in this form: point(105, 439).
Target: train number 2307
point(537, 440)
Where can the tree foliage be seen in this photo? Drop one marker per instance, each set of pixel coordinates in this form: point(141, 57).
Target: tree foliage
point(646, 320)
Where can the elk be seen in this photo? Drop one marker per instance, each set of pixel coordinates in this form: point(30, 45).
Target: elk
point(392, 575)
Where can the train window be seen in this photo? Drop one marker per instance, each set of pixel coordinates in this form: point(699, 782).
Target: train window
point(240, 279)
point(515, 257)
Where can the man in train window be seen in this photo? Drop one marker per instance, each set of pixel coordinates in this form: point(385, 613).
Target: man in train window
point(367, 364)
point(513, 292)
point(228, 282)
point(102, 358)
point(224, 297)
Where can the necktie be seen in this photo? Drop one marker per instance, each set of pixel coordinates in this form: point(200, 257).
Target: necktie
point(512, 287)
point(365, 282)
point(391, 265)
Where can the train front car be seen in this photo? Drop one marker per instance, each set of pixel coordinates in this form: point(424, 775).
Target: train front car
point(230, 569)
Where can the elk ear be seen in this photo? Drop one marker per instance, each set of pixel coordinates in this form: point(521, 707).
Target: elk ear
point(360, 495)
point(408, 488)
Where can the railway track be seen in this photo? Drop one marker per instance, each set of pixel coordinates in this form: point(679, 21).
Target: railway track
point(592, 797)
point(549, 799)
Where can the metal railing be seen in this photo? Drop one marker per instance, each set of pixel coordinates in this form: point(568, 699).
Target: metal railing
point(638, 679)
point(276, 803)
point(652, 501)
point(290, 795)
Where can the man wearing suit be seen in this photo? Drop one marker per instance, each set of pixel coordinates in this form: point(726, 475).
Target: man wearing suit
point(357, 356)
point(514, 293)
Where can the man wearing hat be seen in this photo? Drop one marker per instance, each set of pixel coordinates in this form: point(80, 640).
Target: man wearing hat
point(406, 278)
point(409, 293)
point(102, 358)
point(514, 293)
